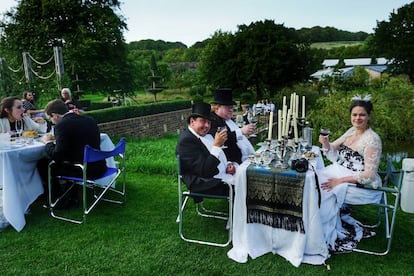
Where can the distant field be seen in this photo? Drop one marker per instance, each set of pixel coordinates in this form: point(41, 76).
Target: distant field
point(333, 44)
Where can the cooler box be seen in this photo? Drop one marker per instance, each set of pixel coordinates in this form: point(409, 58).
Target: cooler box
point(407, 188)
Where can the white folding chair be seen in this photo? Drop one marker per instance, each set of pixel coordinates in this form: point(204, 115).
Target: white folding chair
point(99, 189)
point(184, 195)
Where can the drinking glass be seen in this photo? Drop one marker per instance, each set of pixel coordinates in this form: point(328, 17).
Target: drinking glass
point(253, 119)
point(267, 158)
point(220, 129)
point(257, 159)
point(239, 120)
point(19, 129)
point(324, 131)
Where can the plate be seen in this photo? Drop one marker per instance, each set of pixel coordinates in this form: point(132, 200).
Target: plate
point(309, 154)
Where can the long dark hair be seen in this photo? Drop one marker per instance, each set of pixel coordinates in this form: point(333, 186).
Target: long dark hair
point(7, 103)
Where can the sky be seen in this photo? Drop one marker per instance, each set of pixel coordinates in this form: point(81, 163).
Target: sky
point(190, 21)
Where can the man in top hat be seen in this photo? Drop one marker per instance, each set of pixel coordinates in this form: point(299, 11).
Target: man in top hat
point(204, 166)
point(237, 146)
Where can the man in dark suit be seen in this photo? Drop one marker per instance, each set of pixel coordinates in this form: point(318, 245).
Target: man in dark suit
point(71, 133)
point(199, 156)
point(237, 145)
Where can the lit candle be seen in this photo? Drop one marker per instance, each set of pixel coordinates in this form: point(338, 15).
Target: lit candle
point(279, 125)
point(295, 128)
point(269, 136)
point(303, 107)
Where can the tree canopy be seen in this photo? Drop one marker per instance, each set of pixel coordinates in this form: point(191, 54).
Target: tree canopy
point(394, 39)
point(94, 50)
point(259, 58)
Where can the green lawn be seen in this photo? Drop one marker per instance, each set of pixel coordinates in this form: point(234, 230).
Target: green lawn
point(334, 44)
point(141, 237)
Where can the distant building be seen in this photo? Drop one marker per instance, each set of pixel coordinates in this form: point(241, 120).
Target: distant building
point(374, 69)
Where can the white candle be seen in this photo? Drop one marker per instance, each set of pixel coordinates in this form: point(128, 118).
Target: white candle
point(296, 106)
point(284, 101)
point(269, 136)
point(303, 107)
point(279, 125)
point(289, 114)
point(295, 129)
point(284, 118)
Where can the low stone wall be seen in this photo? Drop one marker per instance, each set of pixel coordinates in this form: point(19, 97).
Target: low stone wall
point(155, 125)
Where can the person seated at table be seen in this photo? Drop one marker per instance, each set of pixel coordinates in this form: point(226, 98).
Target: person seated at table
point(237, 146)
point(71, 102)
point(356, 157)
point(30, 105)
point(11, 111)
point(71, 133)
point(204, 166)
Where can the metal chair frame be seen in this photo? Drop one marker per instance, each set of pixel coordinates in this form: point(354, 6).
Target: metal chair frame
point(391, 189)
point(184, 195)
point(99, 190)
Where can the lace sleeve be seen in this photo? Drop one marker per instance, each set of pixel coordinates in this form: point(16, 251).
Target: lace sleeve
point(371, 148)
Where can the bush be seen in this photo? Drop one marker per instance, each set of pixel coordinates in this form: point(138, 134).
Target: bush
point(391, 118)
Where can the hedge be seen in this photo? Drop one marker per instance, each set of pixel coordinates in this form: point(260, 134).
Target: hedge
point(125, 112)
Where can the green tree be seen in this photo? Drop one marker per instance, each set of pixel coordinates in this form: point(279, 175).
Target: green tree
point(94, 50)
point(260, 58)
point(155, 79)
point(394, 39)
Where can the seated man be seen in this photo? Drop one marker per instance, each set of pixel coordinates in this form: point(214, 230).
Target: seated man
point(203, 163)
point(71, 133)
point(238, 147)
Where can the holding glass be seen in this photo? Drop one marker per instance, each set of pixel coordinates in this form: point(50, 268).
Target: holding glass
point(220, 129)
point(253, 119)
point(324, 131)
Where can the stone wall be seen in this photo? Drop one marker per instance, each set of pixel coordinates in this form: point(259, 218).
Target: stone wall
point(153, 125)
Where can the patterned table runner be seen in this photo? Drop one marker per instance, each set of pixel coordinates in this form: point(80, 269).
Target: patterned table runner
point(274, 198)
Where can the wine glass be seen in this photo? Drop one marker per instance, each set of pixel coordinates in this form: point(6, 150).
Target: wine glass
point(252, 118)
point(239, 120)
point(303, 144)
point(19, 128)
point(324, 131)
point(220, 129)
point(257, 159)
point(267, 158)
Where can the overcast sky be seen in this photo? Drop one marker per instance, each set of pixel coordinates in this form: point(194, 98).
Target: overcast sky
point(189, 21)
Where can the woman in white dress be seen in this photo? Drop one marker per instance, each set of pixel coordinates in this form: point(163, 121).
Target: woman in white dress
point(356, 156)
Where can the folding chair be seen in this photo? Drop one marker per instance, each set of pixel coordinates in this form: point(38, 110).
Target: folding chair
point(387, 207)
point(99, 189)
point(184, 195)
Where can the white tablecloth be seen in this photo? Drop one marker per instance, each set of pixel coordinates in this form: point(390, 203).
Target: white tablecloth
point(20, 179)
point(254, 239)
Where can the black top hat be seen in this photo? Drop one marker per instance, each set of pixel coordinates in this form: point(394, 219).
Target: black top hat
point(200, 109)
point(223, 96)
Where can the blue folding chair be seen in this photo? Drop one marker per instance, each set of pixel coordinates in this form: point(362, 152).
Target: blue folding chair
point(99, 189)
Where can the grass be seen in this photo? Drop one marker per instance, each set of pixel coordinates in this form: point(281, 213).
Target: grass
point(335, 44)
point(141, 237)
